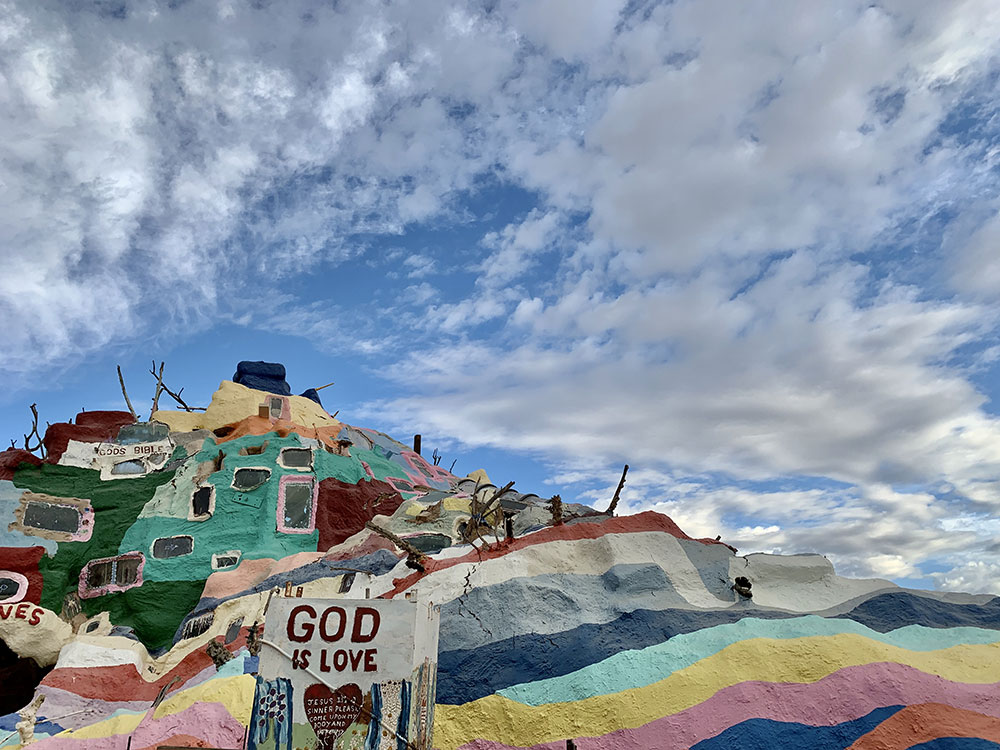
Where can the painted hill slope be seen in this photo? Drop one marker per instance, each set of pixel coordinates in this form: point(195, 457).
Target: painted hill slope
point(134, 546)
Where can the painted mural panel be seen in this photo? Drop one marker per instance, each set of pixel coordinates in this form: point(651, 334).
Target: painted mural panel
point(340, 673)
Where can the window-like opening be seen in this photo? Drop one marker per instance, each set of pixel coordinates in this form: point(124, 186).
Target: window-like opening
point(172, 546)
point(8, 588)
point(13, 587)
point(296, 458)
point(197, 625)
point(127, 571)
point(234, 630)
point(297, 508)
point(430, 543)
point(92, 626)
point(346, 581)
point(52, 517)
point(100, 574)
point(250, 478)
point(128, 467)
point(276, 405)
point(228, 559)
point(223, 431)
point(253, 450)
point(111, 574)
point(201, 501)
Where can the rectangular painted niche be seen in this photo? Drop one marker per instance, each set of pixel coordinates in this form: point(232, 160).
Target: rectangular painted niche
point(226, 560)
point(202, 503)
point(297, 504)
point(296, 458)
point(110, 574)
point(250, 478)
point(62, 519)
point(172, 546)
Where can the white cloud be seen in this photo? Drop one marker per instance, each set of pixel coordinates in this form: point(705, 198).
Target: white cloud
point(740, 298)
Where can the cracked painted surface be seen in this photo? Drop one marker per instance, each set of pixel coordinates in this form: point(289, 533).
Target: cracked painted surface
point(616, 632)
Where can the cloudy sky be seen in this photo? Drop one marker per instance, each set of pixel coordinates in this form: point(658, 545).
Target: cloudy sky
point(752, 249)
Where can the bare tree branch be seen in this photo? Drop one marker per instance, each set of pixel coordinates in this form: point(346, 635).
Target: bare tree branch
point(125, 394)
point(39, 445)
point(614, 501)
point(414, 558)
point(175, 396)
point(159, 388)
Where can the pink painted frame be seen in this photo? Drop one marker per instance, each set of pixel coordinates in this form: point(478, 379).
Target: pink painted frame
point(22, 586)
point(297, 479)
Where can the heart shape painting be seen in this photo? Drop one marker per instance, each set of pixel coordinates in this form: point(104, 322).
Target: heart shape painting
point(331, 712)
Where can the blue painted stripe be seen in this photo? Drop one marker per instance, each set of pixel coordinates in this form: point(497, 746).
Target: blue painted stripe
point(466, 674)
point(767, 734)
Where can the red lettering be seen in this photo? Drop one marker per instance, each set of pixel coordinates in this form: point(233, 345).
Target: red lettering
point(356, 659)
point(300, 659)
point(323, 666)
point(22, 610)
point(340, 660)
point(356, 635)
point(340, 628)
point(5, 611)
point(36, 615)
point(307, 627)
point(370, 665)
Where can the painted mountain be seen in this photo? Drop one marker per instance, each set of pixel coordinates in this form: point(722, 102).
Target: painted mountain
point(137, 560)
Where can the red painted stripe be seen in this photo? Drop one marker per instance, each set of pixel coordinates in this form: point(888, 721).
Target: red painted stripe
point(925, 722)
point(647, 521)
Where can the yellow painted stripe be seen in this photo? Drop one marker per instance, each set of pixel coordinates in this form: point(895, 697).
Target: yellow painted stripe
point(802, 660)
point(235, 693)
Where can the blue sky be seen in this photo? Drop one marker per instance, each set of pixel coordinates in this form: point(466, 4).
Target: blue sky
point(750, 249)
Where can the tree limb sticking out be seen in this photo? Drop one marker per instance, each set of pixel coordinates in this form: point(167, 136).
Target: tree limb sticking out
point(414, 557)
point(614, 501)
point(159, 388)
point(175, 396)
point(125, 394)
point(39, 444)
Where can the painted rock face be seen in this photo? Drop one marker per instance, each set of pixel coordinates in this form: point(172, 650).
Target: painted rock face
point(331, 712)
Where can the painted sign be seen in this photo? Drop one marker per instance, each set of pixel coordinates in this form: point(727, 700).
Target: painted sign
point(342, 673)
point(118, 460)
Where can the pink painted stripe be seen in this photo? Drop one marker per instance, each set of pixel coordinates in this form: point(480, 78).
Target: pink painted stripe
point(214, 725)
point(845, 695)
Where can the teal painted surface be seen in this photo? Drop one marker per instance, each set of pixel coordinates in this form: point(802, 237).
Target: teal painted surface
point(241, 520)
point(637, 668)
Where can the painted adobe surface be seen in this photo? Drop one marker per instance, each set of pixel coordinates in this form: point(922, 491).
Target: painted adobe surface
point(614, 632)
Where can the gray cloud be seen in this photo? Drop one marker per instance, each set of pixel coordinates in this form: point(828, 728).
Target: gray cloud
point(734, 302)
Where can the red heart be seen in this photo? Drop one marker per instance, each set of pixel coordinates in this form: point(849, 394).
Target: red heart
point(331, 712)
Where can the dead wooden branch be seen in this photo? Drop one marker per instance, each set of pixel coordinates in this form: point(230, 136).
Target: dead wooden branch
point(159, 388)
point(128, 403)
point(319, 388)
point(175, 396)
point(414, 558)
point(614, 501)
point(39, 444)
